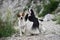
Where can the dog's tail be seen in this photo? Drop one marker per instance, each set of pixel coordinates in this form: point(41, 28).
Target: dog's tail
point(41, 20)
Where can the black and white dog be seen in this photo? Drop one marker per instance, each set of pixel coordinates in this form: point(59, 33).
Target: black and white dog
point(33, 21)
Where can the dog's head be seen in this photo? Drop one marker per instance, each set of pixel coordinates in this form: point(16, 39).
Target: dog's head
point(31, 12)
point(21, 15)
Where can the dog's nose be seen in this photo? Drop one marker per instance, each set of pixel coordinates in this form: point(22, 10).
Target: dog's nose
point(21, 18)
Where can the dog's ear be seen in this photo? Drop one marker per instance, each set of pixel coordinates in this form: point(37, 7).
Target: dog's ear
point(18, 15)
point(23, 14)
point(31, 12)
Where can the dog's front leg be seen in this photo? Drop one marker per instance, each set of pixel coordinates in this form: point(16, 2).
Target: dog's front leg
point(20, 30)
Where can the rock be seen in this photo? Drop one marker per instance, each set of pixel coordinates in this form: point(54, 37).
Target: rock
point(58, 13)
point(48, 17)
point(50, 28)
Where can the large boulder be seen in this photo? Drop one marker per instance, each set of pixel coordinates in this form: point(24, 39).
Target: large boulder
point(48, 17)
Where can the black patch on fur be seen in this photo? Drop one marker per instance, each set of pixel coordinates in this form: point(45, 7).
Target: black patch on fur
point(33, 19)
point(35, 22)
point(26, 17)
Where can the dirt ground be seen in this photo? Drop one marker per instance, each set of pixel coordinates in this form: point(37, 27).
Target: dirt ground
point(51, 31)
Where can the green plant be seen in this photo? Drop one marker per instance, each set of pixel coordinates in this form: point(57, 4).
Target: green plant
point(28, 5)
point(6, 27)
point(58, 19)
point(49, 8)
point(38, 8)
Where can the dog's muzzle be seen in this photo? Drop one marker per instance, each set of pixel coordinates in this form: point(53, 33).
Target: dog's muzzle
point(21, 18)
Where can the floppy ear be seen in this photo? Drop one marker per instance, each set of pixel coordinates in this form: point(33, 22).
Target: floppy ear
point(23, 14)
point(18, 15)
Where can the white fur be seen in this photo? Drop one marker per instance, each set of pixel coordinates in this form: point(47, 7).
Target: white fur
point(29, 28)
point(21, 24)
point(26, 27)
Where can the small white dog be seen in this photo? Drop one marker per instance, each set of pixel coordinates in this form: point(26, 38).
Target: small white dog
point(21, 22)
